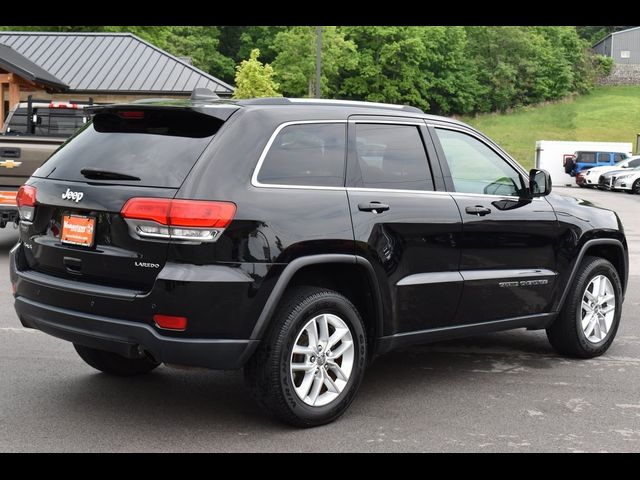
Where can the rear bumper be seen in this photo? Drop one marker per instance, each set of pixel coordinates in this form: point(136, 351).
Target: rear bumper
point(120, 320)
point(131, 338)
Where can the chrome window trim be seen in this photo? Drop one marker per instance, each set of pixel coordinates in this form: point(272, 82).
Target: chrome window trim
point(418, 123)
point(267, 147)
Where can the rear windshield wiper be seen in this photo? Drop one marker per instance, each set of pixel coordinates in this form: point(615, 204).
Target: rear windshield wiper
point(97, 174)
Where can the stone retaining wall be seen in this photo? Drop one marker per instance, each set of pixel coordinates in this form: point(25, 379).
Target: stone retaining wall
point(622, 75)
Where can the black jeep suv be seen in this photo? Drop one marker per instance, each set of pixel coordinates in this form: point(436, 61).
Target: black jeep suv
point(299, 239)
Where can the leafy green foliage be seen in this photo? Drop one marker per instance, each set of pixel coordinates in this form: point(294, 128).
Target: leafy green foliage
point(295, 63)
point(255, 79)
point(603, 64)
point(595, 34)
point(421, 66)
point(449, 70)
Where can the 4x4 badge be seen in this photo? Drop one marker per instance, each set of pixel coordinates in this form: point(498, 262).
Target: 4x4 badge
point(74, 196)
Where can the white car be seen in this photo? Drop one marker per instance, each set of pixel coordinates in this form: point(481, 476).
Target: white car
point(629, 182)
point(592, 175)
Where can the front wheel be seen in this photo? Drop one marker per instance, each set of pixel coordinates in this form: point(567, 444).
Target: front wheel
point(635, 188)
point(307, 370)
point(589, 319)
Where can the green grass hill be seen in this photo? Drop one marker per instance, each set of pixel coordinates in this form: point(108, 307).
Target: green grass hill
point(607, 114)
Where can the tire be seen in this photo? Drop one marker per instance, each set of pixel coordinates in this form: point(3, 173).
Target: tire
point(115, 364)
point(269, 372)
point(635, 188)
point(566, 334)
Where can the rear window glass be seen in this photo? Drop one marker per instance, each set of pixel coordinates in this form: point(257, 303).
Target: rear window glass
point(311, 155)
point(158, 146)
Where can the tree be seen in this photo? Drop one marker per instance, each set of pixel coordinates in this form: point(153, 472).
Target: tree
point(595, 34)
point(421, 66)
point(295, 62)
point(255, 79)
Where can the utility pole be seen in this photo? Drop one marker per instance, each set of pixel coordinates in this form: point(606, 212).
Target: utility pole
point(318, 59)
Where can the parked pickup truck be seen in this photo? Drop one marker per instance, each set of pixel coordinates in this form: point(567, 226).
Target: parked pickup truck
point(32, 132)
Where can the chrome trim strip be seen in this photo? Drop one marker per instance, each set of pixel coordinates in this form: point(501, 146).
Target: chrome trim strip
point(428, 278)
point(472, 275)
point(265, 150)
point(479, 275)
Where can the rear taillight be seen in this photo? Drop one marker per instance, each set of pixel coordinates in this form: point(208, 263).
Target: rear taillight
point(165, 218)
point(26, 201)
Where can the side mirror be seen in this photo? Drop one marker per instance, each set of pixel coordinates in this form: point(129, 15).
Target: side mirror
point(539, 183)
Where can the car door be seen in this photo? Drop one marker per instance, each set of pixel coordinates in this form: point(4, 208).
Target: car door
point(402, 225)
point(507, 244)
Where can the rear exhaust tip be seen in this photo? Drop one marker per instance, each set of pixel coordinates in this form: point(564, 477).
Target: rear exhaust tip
point(142, 352)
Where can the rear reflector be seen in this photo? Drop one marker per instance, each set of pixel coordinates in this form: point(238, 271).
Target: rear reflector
point(170, 322)
point(26, 201)
point(8, 198)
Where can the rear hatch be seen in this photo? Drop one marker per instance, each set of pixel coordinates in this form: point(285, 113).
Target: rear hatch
point(78, 232)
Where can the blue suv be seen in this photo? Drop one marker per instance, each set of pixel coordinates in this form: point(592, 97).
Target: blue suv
point(586, 160)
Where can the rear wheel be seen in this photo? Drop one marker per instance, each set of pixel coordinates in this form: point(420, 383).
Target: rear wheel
point(307, 370)
point(590, 316)
point(114, 364)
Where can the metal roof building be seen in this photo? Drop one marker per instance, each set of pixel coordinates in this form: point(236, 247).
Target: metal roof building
point(623, 46)
point(110, 63)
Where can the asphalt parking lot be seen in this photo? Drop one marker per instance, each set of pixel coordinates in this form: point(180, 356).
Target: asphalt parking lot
point(501, 392)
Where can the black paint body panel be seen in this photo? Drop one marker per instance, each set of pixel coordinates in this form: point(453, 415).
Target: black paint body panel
point(433, 271)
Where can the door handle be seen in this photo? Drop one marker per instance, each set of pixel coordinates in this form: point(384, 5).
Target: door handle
point(478, 210)
point(375, 207)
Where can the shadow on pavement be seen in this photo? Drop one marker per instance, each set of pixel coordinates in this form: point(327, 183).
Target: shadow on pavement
point(219, 401)
point(8, 238)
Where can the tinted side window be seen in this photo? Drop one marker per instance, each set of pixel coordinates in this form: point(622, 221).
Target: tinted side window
point(620, 156)
point(476, 168)
point(392, 156)
point(65, 122)
point(587, 157)
point(634, 163)
point(41, 127)
point(18, 122)
point(309, 154)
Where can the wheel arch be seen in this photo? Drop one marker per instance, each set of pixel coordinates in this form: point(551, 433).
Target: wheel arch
point(335, 271)
point(610, 249)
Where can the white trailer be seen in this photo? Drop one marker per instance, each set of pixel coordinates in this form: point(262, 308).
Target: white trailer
point(550, 155)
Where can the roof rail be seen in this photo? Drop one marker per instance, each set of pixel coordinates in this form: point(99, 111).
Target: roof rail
point(324, 101)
